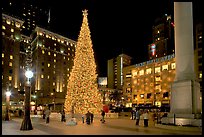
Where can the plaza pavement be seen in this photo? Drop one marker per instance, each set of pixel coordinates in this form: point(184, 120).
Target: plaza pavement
point(120, 126)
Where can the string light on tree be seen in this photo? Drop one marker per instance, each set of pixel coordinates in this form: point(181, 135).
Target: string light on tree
point(82, 94)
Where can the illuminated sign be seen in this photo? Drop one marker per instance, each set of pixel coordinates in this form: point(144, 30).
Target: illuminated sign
point(102, 81)
point(153, 49)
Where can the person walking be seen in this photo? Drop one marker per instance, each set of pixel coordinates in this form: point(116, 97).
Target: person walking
point(132, 114)
point(146, 118)
point(82, 118)
point(103, 116)
point(92, 116)
point(63, 116)
point(47, 115)
point(88, 118)
point(137, 116)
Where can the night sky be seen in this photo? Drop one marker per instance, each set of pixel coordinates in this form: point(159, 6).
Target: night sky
point(117, 26)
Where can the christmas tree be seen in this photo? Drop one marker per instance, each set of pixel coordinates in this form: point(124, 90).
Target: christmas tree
point(82, 94)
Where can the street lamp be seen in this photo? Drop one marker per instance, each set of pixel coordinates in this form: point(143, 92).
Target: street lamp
point(26, 123)
point(8, 94)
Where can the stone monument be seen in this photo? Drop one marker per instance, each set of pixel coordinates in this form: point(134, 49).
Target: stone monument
point(185, 104)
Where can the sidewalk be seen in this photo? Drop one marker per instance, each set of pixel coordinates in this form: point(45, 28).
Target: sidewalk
point(111, 127)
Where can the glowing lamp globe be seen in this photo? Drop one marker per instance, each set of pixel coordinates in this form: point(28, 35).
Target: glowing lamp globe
point(8, 93)
point(29, 74)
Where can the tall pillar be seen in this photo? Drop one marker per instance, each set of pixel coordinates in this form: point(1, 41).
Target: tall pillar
point(185, 103)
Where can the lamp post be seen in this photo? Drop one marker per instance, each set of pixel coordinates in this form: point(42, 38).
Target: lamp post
point(8, 94)
point(26, 123)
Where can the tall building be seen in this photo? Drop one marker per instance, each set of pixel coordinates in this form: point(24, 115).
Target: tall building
point(32, 12)
point(115, 70)
point(162, 38)
point(53, 57)
point(11, 57)
point(52, 61)
point(198, 52)
point(148, 83)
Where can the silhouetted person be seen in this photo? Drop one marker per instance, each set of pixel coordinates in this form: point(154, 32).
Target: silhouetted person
point(92, 116)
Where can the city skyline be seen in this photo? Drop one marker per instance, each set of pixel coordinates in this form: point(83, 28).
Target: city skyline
point(116, 27)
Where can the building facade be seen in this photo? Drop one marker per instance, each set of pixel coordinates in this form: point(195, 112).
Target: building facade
point(148, 83)
point(162, 38)
point(198, 53)
point(52, 61)
point(115, 70)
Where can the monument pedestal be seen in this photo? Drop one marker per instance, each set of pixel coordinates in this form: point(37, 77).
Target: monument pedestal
point(185, 106)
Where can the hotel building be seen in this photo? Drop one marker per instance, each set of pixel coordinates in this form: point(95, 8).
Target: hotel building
point(52, 61)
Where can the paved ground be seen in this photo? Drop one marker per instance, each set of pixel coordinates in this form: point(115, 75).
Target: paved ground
point(120, 126)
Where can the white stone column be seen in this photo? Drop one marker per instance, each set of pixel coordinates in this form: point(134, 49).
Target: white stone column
point(184, 50)
point(185, 91)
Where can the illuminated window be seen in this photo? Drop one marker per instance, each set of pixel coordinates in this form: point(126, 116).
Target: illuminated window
point(10, 78)
point(48, 77)
point(55, 44)
point(134, 73)
point(141, 96)
point(10, 64)
point(68, 69)
point(3, 27)
point(157, 70)
point(158, 87)
point(53, 83)
point(8, 22)
point(54, 55)
point(42, 76)
point(54, 60)
point(2, 55)
point(68, 48)
point(164, 67)
point(64, 58)
point(157, 78)
point(67, 58)
point(12, 30)
point(48, 65)
point(11, 57)
point(2, 77)
point(158, 31)
point(58, 40)
point(2, 62)
point(3, 33)
point(18, 25)
point(128, 75)
point(43, 52)
point(48, 53)
point(173, 65)
point(54, 66)
point(63, 85)
point(141, 72)
point(158, 38)
point(200, 75)
point(62, 41)
point(148, 71)
point(53, 72)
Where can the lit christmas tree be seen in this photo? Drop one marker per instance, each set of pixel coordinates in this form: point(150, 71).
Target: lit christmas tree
point(82, 94)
